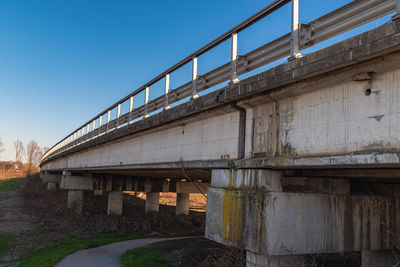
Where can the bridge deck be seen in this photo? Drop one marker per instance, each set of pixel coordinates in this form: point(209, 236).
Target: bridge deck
point(375, 51)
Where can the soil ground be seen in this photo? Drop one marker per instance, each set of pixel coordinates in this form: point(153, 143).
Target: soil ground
point(36, 217)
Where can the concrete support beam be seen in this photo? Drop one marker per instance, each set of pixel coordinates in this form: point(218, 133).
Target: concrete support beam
point(49, 177)
point(152, 202)
point(75, 200)
point(378, 258)
point(115, 201)
point(182, 204)
point(75, 182)
point(51, 186)
point(254, 179)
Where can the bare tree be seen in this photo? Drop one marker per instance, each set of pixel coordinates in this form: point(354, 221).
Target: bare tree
point(19, 151)
point(44, 150)
point(2, 149)
point(33, 155)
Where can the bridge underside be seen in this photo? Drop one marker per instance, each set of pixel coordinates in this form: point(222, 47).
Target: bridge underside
point(301, 159)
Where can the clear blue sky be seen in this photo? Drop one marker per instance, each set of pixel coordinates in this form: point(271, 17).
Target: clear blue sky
point(62, 62)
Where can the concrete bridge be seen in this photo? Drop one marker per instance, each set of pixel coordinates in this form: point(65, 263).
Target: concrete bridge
point(300, 159)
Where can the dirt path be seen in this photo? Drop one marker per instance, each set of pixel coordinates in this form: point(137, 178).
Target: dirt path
point(12, 218)
point(106, 256)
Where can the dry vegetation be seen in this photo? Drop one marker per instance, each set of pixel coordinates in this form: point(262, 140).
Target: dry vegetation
point(39, 218)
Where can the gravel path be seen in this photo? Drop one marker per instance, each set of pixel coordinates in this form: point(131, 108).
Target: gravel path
point(107, 255)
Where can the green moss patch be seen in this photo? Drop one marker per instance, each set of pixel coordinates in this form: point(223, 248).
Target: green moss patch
point(11, 184)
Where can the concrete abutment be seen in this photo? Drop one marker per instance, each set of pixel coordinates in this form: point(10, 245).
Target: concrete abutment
point(277, 221)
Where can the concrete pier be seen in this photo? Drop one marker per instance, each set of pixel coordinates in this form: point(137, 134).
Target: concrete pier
point(251, 210)
point(75, 200)
point(115, 201)
point(51, 186)
point(152, 202)
point(52, 180)
point(182, 204)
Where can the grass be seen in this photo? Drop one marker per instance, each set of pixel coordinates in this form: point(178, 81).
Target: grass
point(51, 254)
point(11, 184)
point(153, 255)
point(7, 242)
point(5, 196)
point(142, 257)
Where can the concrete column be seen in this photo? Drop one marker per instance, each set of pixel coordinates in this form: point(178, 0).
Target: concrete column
point(115, 200)
point(258, 260)
point(383, 258)
point(152, 202)
point(182, 204)
point(75, 200)
point(51, 186)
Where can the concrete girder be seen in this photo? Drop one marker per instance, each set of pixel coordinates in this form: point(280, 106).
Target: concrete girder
point(75, 182)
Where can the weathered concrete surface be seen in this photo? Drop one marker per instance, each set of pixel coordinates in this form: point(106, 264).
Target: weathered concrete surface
point(259, 179)
point(366, 159)
point(206, 139)
point(296, 223)
point(152, 202)
point(75, 200)
point(115, 202)
point(182, 204)
point(265, 221)
point(75, 182)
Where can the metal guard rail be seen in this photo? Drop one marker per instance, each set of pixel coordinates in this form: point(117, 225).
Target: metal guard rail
point(302, 35)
